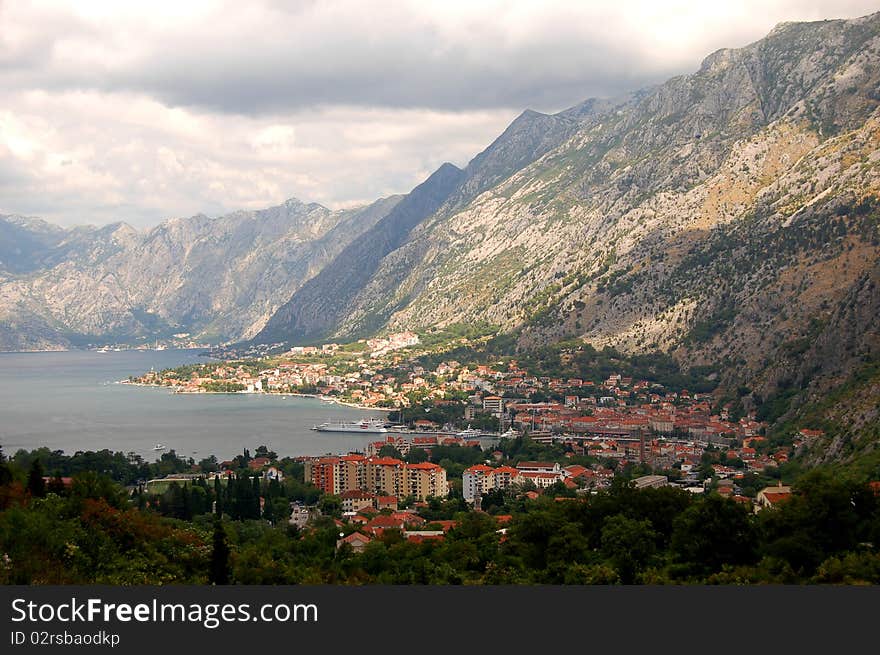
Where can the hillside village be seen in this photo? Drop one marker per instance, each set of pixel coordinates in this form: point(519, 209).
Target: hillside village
point(537, 435)
point(374, 491)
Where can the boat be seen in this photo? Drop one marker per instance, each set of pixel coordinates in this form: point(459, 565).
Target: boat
point(470, 432)
point(510, 434)
point(364, 425)
point(158, 446)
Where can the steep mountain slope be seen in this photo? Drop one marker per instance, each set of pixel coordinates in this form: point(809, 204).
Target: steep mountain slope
point(322, 302)
point(24, 242)
point(377, 264)
point(729, 216)
point(215, 278)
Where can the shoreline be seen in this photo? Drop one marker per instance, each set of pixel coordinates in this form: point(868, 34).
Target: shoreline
point(328, 399)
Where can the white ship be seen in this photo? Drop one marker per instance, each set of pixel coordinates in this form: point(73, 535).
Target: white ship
point(470, 432)
point(365, 425)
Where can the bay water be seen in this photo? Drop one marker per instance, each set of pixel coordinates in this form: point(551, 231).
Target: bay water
point(73, 400)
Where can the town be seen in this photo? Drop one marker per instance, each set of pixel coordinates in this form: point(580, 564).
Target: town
point(535, 433)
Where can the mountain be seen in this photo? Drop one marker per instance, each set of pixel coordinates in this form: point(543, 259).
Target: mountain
point(218, 279)
point(323, 301)
point(24, 242)
point(728, 217)
point(377, 263)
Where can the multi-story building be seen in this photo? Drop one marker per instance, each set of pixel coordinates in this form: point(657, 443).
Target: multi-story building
point(425, 480)
point(480, 479)
point(355, 500)
point(352, 473)
point(493, 404)
point(384, 476)
point(324, 473)
point(475, 481)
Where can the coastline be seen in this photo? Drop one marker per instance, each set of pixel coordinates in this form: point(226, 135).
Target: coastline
point(328, 399)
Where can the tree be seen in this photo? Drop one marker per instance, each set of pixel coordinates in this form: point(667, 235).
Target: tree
point(416, 456)
point(713, 532)
point(209, 464)
point(36, 485)
point(628, 544)
point(388, 450)
point(5, 471)
point(218, 497)
point(257, 510)
point(56, 485)
point(263, 451)
point(331, 505)
point(826, 516)
point(219, 555)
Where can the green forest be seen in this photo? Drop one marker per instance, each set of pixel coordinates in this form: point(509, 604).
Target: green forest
point(75, 525)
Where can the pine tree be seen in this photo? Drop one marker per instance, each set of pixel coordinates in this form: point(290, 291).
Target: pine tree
point(218, 497)
point(256, 511)
point(269, 511)
point(186, 512)
point(219, 555)
point(36, 484)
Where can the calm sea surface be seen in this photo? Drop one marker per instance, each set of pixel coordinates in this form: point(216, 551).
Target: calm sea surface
point(71, 401)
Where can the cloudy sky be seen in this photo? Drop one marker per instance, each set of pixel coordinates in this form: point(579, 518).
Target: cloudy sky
point(141, 112)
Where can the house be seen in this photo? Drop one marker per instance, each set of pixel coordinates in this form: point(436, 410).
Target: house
point(383, 502)
point(66, 481)
point(355, 500)
point(540, 480)
point(772, 496)
point(423, 535)
point(397, 521)
point(258, 463)
point(356, 540)
point(575, 471)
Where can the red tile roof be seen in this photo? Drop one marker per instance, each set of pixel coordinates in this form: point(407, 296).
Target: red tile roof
point(775, 497)
point(424, 466)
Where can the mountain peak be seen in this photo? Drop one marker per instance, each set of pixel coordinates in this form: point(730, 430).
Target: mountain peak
point(530, 113)
point(447, 167)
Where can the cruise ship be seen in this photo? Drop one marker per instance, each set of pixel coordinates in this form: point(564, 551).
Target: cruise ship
point(365, 425)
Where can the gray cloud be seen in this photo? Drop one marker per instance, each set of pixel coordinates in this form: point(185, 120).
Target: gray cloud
point(140, 112)
point(259, 58)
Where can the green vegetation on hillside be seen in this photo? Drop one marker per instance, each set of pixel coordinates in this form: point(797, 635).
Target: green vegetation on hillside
point(92, 531)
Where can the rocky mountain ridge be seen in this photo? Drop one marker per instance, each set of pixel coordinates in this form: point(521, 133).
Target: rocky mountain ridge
point(729, 217)
point(217, 279)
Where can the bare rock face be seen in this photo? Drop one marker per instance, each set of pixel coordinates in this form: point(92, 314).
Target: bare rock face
point(217, 279)
point(729, 217)
point(649, 222)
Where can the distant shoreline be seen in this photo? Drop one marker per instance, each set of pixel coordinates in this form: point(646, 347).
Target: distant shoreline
point(328, 399)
